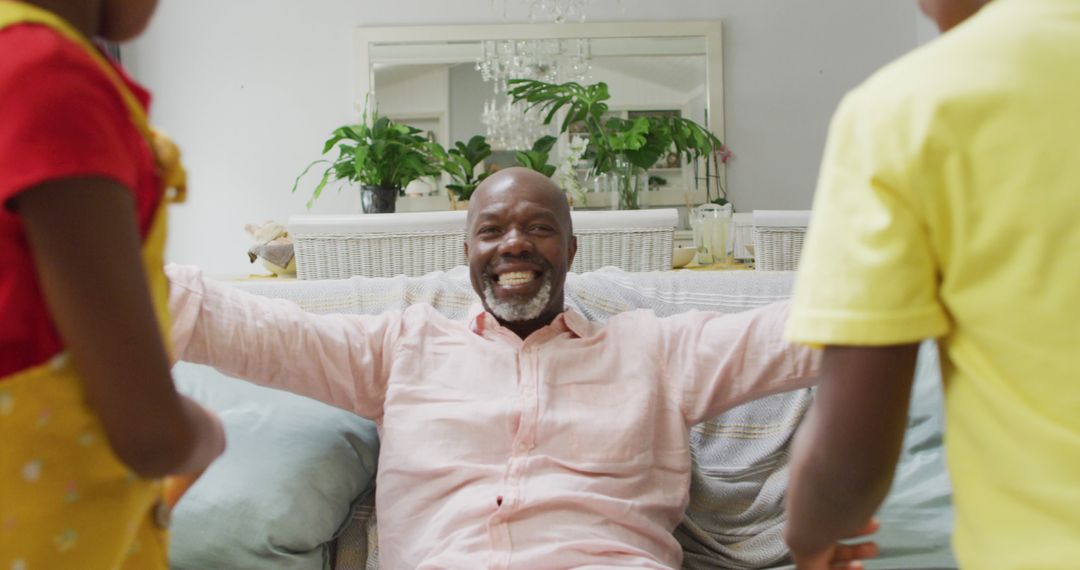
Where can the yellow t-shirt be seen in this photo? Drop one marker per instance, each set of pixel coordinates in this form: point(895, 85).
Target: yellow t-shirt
point(949, 207)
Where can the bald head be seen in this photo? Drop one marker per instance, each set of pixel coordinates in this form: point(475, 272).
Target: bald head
point(520, 183)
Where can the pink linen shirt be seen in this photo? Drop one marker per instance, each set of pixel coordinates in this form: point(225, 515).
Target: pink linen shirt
point(566, 450)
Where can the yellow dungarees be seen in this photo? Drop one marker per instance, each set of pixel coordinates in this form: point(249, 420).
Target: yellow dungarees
point(66, 501)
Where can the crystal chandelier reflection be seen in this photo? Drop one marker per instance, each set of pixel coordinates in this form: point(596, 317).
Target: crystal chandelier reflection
point(508, 124)
point(559, 10)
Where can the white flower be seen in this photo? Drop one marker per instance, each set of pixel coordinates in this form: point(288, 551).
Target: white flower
point(566, 175)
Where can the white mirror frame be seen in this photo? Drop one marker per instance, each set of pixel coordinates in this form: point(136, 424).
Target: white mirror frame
point(366, 37)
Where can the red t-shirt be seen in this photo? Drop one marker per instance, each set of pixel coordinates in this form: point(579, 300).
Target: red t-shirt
point(60, 117)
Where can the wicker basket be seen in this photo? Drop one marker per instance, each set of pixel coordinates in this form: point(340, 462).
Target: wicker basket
point(337, 247)
point(629, 249)
point(338, 256)
point(778, 239)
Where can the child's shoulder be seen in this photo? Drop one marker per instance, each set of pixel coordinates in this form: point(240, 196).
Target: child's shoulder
point(33, 51)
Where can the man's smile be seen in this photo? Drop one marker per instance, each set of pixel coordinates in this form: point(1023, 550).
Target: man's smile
point(516, 278)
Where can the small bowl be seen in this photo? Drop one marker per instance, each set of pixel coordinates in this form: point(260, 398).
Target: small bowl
point(682, 256)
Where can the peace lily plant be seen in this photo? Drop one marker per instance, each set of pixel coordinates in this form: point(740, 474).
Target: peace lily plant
point(379, 154)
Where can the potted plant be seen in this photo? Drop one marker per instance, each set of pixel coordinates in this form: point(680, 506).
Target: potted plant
point(383, 156)
point(460, 164)
point(621, 149)
point(536, 158)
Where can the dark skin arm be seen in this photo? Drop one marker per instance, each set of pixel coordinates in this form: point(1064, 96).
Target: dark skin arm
point(846, 451)
point(84, 239)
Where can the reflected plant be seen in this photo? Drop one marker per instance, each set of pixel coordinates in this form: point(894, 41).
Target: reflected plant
point(642, 140)
point(460, 164)
point(624, 146)
point(537, 157)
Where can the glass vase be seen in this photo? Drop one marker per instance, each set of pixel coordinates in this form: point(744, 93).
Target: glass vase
point(625, 183)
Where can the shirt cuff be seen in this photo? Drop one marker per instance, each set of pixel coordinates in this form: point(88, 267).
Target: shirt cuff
point(832, 327)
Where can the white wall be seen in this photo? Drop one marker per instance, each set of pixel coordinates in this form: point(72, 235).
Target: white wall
point(925, 29)
point(251, 88)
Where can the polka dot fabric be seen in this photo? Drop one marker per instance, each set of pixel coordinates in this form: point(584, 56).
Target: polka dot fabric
point(66, 501)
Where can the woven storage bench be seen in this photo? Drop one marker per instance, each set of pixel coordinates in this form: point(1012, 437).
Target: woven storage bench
point(632, 240)
point(413, 244)
point(778, 238)
point(377, 245)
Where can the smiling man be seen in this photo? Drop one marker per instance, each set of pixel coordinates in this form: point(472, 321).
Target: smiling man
point(524, 436)
point(520, 245)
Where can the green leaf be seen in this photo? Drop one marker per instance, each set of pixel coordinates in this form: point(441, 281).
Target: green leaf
point(544, 144)
point(306, 169)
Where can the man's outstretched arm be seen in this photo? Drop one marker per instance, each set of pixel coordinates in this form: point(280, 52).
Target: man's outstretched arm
point(342, 360)
point(845, 453)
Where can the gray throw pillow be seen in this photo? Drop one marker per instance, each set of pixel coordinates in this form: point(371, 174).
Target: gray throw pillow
point(285, 486)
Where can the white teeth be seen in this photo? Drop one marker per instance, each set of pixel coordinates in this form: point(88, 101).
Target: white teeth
point(513, 278)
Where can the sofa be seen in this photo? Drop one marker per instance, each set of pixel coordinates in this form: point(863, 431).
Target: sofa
point(294, 488)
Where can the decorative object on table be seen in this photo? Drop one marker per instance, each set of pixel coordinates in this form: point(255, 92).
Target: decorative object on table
point(460, 164)
point(566, 175)
point(712, 228)
point(537, 157)
point(682, 256)
point(625, 182)
point(742, 238)
point(273, 246)
point(383, 156)
point(622, 146)
point(714, 181)
point(778, 238)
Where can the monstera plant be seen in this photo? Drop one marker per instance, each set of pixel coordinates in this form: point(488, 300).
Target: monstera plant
point(621, 148)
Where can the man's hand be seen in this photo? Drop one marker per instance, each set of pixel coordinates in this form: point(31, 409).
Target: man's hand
point(839, 556)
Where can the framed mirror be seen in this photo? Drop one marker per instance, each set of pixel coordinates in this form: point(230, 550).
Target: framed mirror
point(449, 81)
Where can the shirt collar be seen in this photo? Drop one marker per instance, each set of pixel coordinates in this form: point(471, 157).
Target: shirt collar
point(481, 320)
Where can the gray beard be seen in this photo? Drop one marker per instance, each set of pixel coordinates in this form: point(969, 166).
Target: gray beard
point(511, 311)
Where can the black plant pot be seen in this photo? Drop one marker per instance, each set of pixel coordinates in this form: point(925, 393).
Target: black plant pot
point(378, 200)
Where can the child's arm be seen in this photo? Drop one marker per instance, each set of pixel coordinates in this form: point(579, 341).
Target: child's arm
point(844, 455)
point(84, 239)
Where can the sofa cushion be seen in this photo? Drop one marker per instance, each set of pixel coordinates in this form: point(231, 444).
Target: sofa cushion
point(285, 486)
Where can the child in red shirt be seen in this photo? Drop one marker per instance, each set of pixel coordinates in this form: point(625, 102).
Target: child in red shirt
point(88, 412)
